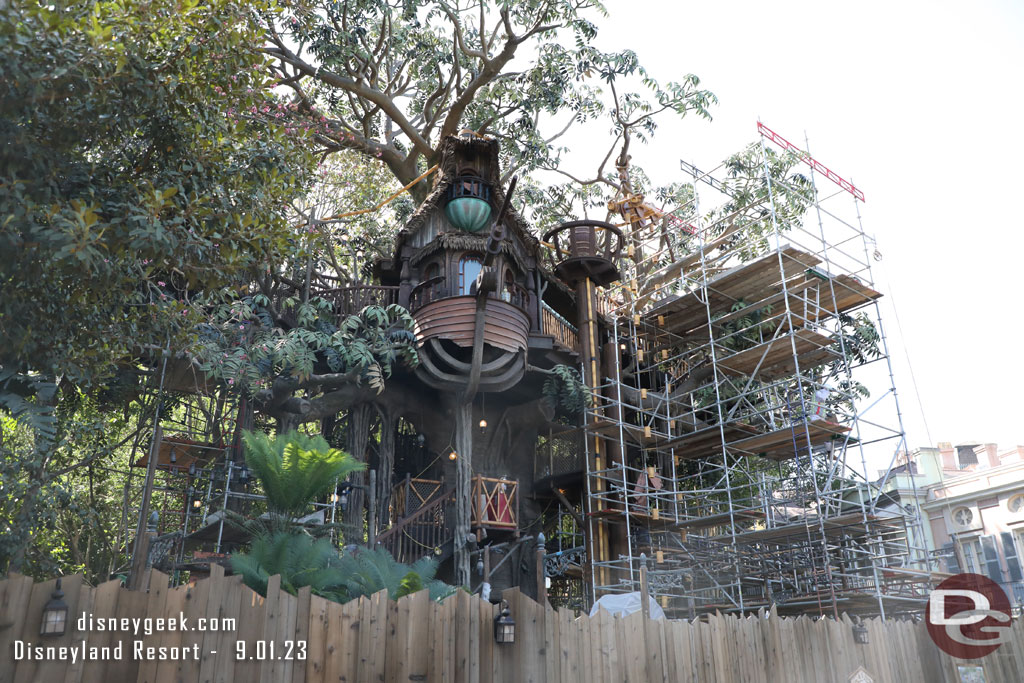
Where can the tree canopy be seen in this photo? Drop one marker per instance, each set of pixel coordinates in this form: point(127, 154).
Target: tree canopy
point(390, 79)
point(131, 178)
point(170, 177)
point(131, 175)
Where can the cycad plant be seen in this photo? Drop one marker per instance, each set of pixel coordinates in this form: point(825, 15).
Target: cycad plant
point(295, 469)
point(304, 561)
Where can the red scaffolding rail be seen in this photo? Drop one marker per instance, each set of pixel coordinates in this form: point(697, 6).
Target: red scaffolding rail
point(809, 160)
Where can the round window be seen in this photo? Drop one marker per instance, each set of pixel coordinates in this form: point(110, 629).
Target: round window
point(1016, 504)
point(963, 516)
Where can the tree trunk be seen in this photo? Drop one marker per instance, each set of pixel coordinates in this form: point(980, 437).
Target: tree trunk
point(388, 427)
point(463, 488)
point(360, 420)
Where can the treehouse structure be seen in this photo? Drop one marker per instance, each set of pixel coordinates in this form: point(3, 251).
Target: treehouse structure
point(688, 403)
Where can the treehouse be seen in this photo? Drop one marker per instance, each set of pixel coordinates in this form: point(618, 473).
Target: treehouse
point(492, 320)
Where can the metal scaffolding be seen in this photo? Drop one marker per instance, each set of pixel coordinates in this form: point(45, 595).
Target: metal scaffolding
point(749, 390)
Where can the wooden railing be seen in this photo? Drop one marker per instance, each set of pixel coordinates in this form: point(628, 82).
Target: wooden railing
point(558, 327)
point(425, 532)
point(427, 291)
point(437, 288)
point(351, 300)
point(410, 494)
point(495, 503)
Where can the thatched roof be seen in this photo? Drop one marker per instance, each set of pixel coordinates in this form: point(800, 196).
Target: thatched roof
point(451, 147)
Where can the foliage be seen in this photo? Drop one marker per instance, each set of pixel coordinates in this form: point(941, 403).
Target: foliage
point(304, 561)
point(60, 503)
point(859, 339)
point(565, 389)
point(758, 181)
point(244, 344)
point(751, 328)
point(295, 468)
point(370, 570)
point(129, 181)
point(299, 559)
point(390, 79)
point(125, 158)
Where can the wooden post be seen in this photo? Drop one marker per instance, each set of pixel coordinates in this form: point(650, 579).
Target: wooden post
point(408, 492)
point(542, 589)
point(485, 588)
point(141, 551)
point(463, 488)
point(645, 604)
point(371, 534)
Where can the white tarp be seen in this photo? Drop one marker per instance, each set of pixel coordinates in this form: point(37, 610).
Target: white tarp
point(621, 604)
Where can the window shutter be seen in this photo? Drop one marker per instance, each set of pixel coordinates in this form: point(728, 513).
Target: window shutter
point(1012, 559)
point(988, 545)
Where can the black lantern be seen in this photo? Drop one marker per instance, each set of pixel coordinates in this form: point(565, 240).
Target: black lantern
point(243, 476)
point(192, 469)
point(55, 614)
point(860, 633)
point(504, 626)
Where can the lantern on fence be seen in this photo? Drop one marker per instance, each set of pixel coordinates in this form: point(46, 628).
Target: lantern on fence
point(504, 625)
point(55, 614)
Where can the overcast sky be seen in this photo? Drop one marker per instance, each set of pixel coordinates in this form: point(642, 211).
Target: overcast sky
point(921, 104)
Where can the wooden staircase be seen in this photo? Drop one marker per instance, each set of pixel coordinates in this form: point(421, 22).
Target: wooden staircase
point(427, 531)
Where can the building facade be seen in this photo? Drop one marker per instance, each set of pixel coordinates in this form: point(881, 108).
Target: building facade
point(970, 499)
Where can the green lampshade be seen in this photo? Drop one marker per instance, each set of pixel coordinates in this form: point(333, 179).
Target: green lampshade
point(469, 214)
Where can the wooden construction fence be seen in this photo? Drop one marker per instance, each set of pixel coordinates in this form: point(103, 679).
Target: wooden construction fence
point(414, 639)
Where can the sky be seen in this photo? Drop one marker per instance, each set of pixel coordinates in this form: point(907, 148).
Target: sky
point(920, 105)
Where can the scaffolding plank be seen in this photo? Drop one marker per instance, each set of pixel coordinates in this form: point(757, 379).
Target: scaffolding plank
point(834, 527)
point(779, 445)
point(706, 442)
point(775, 358)
point(749, 281)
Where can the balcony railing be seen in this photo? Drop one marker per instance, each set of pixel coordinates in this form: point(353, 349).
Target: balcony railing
point(437, 288)
point(351, 300)
point(495, 503)
point(410, 494)
point(558, 327)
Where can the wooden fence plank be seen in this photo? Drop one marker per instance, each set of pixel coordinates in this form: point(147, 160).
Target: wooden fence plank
point(169, 638)
point(416, 662)
point(319, 633)
point(415, 639)
point(485, 639)
point(337, 641)
point(197, 598)
point(394, 638)
point(15, 593)
point(252, 614)
point(104, 606)
point(158, 590)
